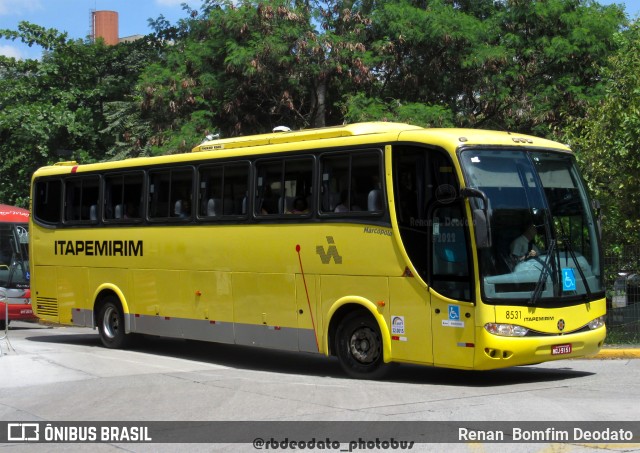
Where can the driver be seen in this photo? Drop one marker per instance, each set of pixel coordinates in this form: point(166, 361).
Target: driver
point(523, 247)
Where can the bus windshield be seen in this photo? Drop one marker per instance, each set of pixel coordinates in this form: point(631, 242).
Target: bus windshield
point(545, 244)
point(14, 255)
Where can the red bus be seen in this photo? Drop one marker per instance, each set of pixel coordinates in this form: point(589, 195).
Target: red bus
point(14, 266)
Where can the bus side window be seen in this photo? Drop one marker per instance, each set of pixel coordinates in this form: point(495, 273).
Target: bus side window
point(222, 190)
point(47, 203)
point(123, 196)
point(269, 187)
point(297, 183)
point(283, 186)
point(351, 183)
point(236, 185)
point(210, 190)
point(81, 193)
point(170, 193)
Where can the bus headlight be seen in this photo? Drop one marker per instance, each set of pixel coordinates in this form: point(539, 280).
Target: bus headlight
point(596, 323)
point(506, 330)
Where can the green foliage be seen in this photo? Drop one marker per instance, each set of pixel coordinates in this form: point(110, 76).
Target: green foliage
point(431, 52)
point(361, 108)
point(554, 51)
point(54, 108)
point(241, 67)
point(607, 141)
point(250, 66)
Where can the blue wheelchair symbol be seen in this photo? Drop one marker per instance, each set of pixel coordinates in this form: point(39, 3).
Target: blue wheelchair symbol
point(454, 312)
point(568, 279)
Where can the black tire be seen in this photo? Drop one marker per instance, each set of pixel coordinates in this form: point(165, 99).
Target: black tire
point(111, 324)
point(3, 325)
point(359, 347)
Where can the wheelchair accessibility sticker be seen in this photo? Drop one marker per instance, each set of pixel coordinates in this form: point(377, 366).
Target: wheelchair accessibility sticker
point(454, 317)
point(568, 279)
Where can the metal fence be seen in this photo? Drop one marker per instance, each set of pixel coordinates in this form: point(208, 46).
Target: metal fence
point(622, 280)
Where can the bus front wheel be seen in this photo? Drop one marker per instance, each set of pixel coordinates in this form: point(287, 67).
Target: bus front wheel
point(111, 325)
point(359, 347)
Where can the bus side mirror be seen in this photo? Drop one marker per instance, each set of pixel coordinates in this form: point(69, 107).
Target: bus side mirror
point(481, 217)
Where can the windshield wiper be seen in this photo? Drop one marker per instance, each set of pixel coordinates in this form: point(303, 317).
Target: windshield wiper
point(535, 296)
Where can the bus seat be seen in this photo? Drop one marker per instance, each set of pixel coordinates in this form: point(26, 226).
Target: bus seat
point(177, 208)
point(213, 207)
point(118, 212)
point(285, 204)
point(374, 200)
point(93, 212)
point(335, 199)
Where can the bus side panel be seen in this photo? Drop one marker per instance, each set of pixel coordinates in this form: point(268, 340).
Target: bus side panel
point(210, 295)
point(307, 304)
point(183, 304)
point(336, 287)
point(409, 316)
point(73, 292)
point(265, 310)
point(210, 300)
point(155, 302)
point(44, 295)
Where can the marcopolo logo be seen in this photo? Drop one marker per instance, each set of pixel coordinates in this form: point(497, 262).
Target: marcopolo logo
point(331, 253)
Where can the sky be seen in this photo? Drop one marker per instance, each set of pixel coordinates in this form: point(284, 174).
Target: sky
point(74, 17)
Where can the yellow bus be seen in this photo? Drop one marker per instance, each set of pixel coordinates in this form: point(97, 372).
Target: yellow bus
point(373, 242)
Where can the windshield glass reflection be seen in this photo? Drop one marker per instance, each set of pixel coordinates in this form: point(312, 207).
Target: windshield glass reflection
point(544, 238)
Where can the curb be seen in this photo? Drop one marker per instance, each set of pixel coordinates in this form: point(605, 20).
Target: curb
point(615, 353)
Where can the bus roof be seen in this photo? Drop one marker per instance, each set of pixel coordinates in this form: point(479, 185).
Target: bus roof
point(11, 214)
point(335, 136)
point(274, 138)
point(404, 131)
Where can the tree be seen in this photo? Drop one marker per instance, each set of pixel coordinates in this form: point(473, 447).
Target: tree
point(514, 65)
point(247, 67)
point(426, 58)
point(554, 49)
point(607, 142)
point(54, 108)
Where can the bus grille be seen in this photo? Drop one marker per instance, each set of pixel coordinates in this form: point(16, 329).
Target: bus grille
point(47, 306)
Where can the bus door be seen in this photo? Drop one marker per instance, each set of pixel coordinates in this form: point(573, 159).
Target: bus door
point(452, 317)
point(434, 235)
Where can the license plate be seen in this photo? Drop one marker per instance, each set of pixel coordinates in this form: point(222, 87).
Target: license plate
point(561, 349)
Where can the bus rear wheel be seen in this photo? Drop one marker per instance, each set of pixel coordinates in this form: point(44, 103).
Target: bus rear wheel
point(359, 347)
point(111, 325)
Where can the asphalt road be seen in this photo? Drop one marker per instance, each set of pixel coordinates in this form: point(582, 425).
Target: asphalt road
point(55, 374)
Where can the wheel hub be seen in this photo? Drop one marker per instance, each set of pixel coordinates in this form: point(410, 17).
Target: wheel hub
point(361, 343)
